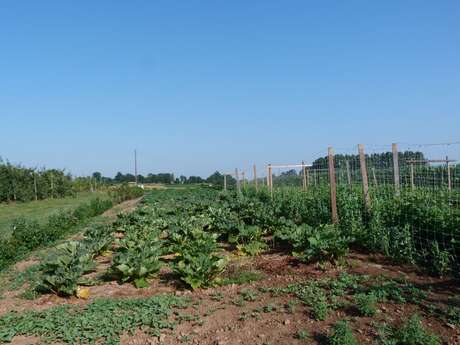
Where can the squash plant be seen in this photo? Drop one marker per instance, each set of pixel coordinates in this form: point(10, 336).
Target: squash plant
point(249, 240)
point(137, 262)
point(62, 269)
point(324, 242)
point(197, 263)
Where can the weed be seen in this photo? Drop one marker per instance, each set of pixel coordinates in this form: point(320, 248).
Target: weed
point(302, 335)
point(366, 304)
point(249, 295)
point(342, 335)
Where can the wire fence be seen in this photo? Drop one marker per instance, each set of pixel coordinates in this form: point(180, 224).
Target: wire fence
point(402, 200)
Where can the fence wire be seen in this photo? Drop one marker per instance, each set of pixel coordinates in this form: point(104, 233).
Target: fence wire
point(406, 205)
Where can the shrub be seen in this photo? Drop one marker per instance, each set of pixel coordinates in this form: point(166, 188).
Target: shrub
point(26, 234)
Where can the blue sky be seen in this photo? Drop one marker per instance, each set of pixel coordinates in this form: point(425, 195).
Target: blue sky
point(199, 86)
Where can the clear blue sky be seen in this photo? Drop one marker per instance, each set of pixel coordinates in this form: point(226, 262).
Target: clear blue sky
point(197, 86)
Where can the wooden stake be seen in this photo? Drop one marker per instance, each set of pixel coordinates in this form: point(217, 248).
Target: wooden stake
point(135, 167)
point(412, 182)
point(52, 186)
point(255, 177)
point(394, 149)
point(237, 176)
point(304, 173)
point(449, 180)
point(374, 176)
point(362, 162)
point(35, 186)
point(270, 179)
point(332, 182)
point(348, 172)
point(225, 182)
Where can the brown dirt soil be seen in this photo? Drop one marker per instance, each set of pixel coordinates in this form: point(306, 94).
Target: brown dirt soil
point(220, 321)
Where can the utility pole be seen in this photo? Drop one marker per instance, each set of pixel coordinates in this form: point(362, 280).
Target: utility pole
point(135, 166)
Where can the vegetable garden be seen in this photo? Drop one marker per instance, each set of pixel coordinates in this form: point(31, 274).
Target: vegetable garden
point(203, 266)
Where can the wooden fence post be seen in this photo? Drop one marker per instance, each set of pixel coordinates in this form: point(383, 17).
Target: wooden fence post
point(255, 178)
point(35, 186)
point(335, 216)
point(270, 179)
point(237, 176)
point(412, 182)
point(374, 176)
point(304, 177)
point(362, 162)
point(394, 149)
point(225, 182)
point(449, 180)
point(348, 172)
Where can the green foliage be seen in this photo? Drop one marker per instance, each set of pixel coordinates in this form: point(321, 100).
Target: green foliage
point(28, 235)
point(302, 335)
point(320, 308)
point(410, 333)
point(63, 267)
point(441, 259)
point(125, 192)
point(249, 240)
point(366, 304)
point(102, 322)
point(342, 334)
point(322, 243)
point(197, 264)
point(18, 183)
point(137, 262)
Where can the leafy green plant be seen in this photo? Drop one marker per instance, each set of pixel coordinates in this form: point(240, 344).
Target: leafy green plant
point(440, 259)
point(302, 335)
point(198, 264)
point(410, 333)
point(366, 304)
point(249, 240)
point(199, 270)
point(62, 269)
point(249, 295)
point(104, 320)
point(320, 308)
point(322, 243)
point(138, 262)
point(342, 334)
